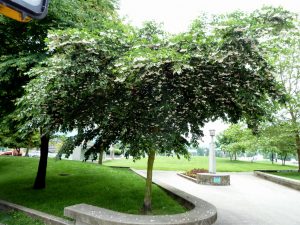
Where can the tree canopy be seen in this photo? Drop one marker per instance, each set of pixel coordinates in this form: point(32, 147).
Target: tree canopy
point(146, 88)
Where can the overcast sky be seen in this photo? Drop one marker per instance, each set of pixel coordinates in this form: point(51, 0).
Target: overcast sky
point(178, 14)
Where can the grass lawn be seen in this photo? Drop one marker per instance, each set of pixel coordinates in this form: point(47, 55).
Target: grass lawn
point(291, 175)
point(111, 188)
point(223, 164)
point(17, 218)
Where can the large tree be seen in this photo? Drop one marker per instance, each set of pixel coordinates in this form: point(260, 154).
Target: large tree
point(24, 47)
point(176, 85)
point(150, 88)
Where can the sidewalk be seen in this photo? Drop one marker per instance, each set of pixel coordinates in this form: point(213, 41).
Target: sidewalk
point(249, 200)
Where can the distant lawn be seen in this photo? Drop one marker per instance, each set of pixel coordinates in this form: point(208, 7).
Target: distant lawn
point(115, 189)
point(223, 164)
point(17, 218)
point(291, 175)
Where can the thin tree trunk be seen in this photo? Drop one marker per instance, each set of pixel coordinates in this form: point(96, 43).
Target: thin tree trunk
point(112, 154)
point(298, 149)
point(40, 180)
point(297, 136)
point(272, 157)
point(235, 156)
point(284, 159)
point(100, 161)
point(148, 191)
point(27, 152)
point(281, 157)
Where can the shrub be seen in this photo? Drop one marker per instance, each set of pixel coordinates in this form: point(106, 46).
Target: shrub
point(193, 172)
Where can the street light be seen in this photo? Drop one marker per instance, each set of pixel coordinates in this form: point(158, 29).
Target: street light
point(212, 133)
point(24, 10)
point(212, 153)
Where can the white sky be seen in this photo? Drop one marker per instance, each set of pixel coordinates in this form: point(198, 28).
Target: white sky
point(178, 14)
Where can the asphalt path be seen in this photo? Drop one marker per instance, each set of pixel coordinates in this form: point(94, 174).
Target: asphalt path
point(249, 200)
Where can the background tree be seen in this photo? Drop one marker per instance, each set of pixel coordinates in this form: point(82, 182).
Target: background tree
point(278, 34)
point(278, 139)
point(285, 56)
point(11, 137)
point(237, 139)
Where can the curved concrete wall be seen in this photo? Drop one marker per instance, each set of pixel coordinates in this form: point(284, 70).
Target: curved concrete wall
point(202, 213)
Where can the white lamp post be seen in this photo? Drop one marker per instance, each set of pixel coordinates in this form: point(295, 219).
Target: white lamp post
point(212, 153)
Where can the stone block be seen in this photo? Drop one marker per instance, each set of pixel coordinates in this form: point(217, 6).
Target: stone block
point(213, 179)
point(47, 218)
point(295, 184)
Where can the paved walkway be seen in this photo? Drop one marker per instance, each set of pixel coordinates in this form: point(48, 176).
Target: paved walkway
point(249, 200)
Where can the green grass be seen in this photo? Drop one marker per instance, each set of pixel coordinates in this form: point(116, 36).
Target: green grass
point(17, 218)
point(223, 164)
point(291, 175)
point(111, 188)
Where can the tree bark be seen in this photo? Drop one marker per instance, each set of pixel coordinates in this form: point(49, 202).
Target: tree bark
point(100, 161)
point(281, 158)
point(284, 159)
point(147, 207)
point(272, 157)
point(112, 154)
point(27, 152)
point(298, 149)
point(40, 180)
point(297, 136)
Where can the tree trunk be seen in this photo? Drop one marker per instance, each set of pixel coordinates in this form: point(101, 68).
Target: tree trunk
point(112, 154)
point(272, 157)
point(27, 152)
point(298, 149)
point(284, 159)
point(100, 161)
point(235, 156)
point(297, 136)
point(40, 180)
point(281, 157)
point(148, 191)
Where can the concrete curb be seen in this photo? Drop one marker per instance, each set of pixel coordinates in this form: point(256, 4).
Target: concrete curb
point(187, 177)
point(279, 180)
point(47, 218)
point(202, 212)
